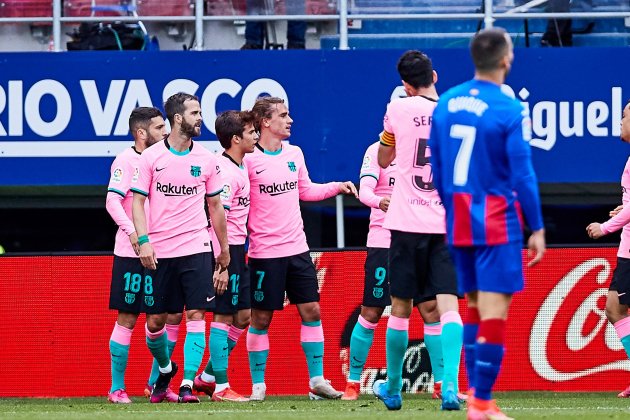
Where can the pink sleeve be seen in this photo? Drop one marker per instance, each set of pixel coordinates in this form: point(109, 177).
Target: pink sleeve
point(114, 207)
point(310, 191)
point(366, 192)
point(119, 183)
point(214, 182)
point(143, 184)
point(387, 125)
point(228, 195)
point(617, 222)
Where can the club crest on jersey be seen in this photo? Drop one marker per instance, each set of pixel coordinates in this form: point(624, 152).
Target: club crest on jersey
point(377, 292)
point(148, 300)
point(136, 174)
point(130, 298)
point(195, 170)
point(259, 295)
point(291, 166)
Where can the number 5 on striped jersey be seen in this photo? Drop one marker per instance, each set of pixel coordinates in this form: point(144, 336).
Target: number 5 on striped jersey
point(467, 134)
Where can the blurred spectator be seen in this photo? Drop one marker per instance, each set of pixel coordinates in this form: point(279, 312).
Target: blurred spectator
point(255, 32)
point(558, 33)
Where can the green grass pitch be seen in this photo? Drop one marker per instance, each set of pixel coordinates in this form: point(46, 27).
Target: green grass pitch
point(521, 405)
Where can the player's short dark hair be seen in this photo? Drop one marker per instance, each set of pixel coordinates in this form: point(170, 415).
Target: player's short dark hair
point(175, 105)
point(232, 123)
point(488, 47)
point(264, 107)
point(141, 117)
point(415, 68)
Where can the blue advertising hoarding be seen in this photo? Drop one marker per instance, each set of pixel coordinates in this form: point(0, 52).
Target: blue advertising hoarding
point(63, 117)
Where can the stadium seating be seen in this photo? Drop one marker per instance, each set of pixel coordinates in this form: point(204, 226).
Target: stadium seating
point(25, 8)
point(456, 33)
point(225, 7)
point(81, 8)
point(239, 7)
point(165, 7)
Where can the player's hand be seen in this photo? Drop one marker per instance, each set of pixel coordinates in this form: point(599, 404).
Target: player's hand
point(348, 188)
point(223, 259)
point(220, 280)
point(594, 230)
point(133, 238)
point(147, 256)
point(384, 204)
point(616, 211)
point(536, 247)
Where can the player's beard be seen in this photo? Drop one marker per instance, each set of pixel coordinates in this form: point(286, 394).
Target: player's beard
point(152, 140)
point(189, 130)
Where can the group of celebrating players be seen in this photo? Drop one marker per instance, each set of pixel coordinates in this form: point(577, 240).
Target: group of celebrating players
point(445, 221)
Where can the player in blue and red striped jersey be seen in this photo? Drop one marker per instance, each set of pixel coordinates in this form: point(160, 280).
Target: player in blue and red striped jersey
point(482, 169)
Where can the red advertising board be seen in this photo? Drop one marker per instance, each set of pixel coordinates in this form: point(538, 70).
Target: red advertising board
point(56, 325)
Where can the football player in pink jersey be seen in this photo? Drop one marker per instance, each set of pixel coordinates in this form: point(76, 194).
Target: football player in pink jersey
point(418, 256)
point(279, 255)
point(376, 187)
point(618, 300)
point(147, 127)
point(179, 176)
point(236, 133)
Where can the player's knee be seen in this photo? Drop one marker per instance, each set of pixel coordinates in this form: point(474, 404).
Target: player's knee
point(127, 320)
point(371, 313)
point(155, 322)
point(174, 319)
point(261, 320)
point(309, 311)
point(195, 315)
point(242, 319)
point(613, 311)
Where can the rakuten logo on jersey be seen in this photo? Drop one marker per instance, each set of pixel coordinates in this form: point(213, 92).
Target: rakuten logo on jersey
point(278, 189)
point(171, 190)
point(571, 337)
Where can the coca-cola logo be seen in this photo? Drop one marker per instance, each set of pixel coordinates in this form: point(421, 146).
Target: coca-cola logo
point(571, 332)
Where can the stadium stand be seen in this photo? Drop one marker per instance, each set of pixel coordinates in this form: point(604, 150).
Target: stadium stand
point(81, 8)
point(443, 33)
point(225, 7)
point(165, 7)
point(25, 8)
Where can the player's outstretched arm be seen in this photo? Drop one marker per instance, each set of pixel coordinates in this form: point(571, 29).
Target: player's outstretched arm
point(594, 230)
point(620, 217)
point(348, 188)
point(536, 247)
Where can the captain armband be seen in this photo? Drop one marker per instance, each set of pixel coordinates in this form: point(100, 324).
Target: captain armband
point(388, 139)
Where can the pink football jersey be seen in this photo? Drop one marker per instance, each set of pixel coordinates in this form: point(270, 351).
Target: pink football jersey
point(375, 184)
point(279, 180)
point(235, 199)
point(176, 184)
point(124, 172)
point(415, 204)
point(622, 219)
